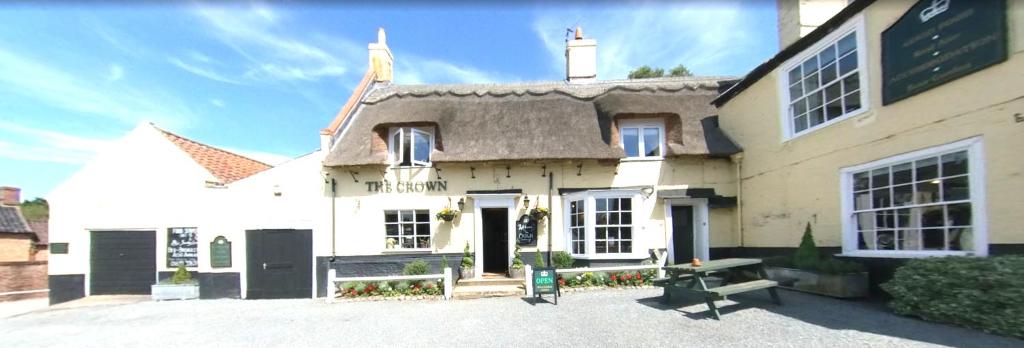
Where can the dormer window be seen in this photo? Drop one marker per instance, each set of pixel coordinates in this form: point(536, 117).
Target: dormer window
point(642, 138)
point(410, 146)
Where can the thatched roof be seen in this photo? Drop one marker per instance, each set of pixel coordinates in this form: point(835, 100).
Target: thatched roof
point(534, 121)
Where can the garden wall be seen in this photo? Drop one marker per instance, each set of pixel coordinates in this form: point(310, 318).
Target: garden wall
point(22, 276)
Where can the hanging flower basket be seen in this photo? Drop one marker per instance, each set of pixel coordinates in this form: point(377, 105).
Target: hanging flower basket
point(539, 213)
point(446, 214)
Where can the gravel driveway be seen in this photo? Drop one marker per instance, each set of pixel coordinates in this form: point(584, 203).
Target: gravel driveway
point(592, 319)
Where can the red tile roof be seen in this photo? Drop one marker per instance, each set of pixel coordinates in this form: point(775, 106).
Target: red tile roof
point(42, 230)
point(226, 166)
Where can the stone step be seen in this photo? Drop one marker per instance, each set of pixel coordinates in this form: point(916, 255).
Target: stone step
point(490, 281)
point(462, 292)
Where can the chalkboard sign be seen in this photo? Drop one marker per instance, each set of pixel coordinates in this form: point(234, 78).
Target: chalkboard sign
point(182, 247)
point(939, 41)
point(220, 252)
point(545, 282)
point(526, 230)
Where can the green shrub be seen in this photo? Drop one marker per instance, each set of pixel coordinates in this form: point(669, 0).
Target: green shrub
point(538, 259)
point(384, 287)
point(401, 286)
point(444, 262)
point(417, 267)
point(181, 276)
point(517, 259)
point(360, 287)
point(467, 258)
point(562, 259)
point(807, 255)
point(980, 293)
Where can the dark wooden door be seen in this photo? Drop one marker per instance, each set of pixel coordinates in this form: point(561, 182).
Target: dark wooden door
point(122, 262)
point(682, 233)
point(279, 264)
point(495, 231)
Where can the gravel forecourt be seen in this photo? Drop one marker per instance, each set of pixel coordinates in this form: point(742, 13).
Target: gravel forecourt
point(611, 318)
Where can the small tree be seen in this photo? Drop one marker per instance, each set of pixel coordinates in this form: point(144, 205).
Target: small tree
point(181, 276)
point(679, 70)
point(538, 260)
point(807, 255)
point(467, 258)
point(646, 72)
point(417, 267)
point(444, 262)
point(517, 259)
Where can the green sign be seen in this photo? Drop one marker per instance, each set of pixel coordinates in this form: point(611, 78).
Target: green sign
point(938, 41)
point(544, 282)
point(220, 252)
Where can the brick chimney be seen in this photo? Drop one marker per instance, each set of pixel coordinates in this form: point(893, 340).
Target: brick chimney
point(580, 59)
point(10, 196)
point(381, 60)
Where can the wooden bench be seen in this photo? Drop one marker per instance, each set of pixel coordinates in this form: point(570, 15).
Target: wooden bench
point(720, 293)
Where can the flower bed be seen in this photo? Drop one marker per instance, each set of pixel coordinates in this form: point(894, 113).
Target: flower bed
point(392, 290)
point(599, 280)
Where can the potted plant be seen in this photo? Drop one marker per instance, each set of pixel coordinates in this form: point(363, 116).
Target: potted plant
point(807, 271)
point(539, 213)
point(516, 270)
point(180, 286)
point(446, 214)
point(466, 269)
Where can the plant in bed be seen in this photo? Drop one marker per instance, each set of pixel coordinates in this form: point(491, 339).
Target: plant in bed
point(807, 270)
point(180, 286)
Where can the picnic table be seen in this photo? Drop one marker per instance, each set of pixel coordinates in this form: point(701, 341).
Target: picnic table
point(694, 278)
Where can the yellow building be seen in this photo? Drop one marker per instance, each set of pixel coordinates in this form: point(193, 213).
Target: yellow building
point(893, 129)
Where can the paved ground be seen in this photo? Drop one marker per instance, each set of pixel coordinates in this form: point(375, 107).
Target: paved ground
point(12, 308)
point(591, 319)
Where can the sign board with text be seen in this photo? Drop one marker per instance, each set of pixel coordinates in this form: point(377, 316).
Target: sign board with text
point(938, 41)
point(182, 247)
point(526, 230)
point(220, 252)
point(545, 281)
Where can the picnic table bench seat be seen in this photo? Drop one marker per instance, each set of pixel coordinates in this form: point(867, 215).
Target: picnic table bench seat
point(736, 288)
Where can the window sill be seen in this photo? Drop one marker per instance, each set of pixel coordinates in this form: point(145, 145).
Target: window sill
point(903, 254)
point(632, 256)
point(406, 251)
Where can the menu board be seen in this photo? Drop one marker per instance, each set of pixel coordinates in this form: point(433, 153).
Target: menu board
point(526, 231)
point(182, 247)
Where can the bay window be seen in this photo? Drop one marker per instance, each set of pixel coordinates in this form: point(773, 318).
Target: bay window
point(600, 224)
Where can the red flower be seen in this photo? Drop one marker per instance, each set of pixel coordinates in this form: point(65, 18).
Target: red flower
point(627, 276)
point(614, 278)
point(639, 276)
point(561, 281)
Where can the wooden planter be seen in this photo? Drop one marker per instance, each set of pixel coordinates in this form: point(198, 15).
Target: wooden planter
point(850, 285)
point(162, 292)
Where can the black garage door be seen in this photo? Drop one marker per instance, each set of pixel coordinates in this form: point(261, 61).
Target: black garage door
point(280, 263)
point(122, 262)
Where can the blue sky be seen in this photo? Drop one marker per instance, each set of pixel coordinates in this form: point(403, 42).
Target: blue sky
point(262, 79)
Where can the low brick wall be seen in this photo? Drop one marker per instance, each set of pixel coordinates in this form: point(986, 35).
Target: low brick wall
point(21, 276)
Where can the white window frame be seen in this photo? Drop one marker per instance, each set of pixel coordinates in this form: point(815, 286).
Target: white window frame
point(976, 180)
point(397, 160)
point(589, 199)
point(640, 124)
point(398, 246)
point(854, 25)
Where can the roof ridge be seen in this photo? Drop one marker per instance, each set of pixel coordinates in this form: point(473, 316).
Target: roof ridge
point(220, 173)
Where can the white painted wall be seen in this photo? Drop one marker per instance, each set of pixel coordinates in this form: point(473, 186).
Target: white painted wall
point(145, 182)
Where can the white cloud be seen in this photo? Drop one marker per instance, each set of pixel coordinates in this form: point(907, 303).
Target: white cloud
point(201, 71)
point(116, 73)
point(420, 70)
point(32, 144)
point(217, 102)
point(28, 77)
point(707, 37)
point(273, 54)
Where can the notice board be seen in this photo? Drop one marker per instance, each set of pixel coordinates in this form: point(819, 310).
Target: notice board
point(182, 247)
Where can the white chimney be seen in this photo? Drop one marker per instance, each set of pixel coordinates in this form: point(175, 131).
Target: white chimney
point(580, 59)
point(381, 60)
